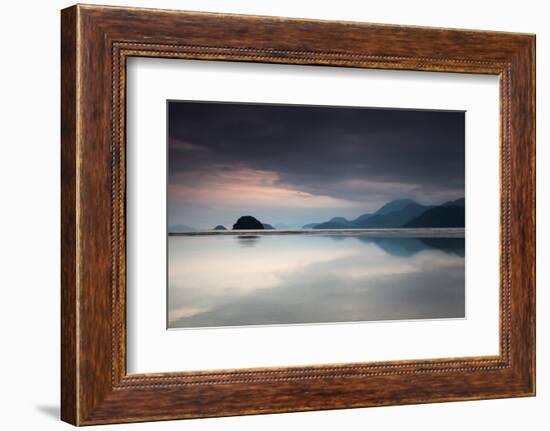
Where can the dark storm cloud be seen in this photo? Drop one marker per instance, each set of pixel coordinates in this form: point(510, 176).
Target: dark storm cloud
point(334, 151)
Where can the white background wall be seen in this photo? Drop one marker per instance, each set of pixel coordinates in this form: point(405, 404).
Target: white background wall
point(29, 216)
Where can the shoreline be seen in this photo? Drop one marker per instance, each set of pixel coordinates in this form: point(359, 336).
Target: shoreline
point(387, 232)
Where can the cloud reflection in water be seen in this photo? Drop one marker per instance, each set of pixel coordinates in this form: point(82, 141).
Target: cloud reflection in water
point(257, 280)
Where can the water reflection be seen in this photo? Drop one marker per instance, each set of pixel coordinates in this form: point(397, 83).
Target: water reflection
point(411, 246)
point(281, 279)
point(248, 240)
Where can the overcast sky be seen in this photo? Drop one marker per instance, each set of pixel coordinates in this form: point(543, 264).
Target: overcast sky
point(292, 165)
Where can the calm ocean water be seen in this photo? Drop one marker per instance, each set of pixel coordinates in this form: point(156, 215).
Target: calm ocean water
point(260, 279)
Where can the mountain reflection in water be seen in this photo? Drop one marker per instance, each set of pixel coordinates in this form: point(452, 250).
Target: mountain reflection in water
point(237, 280)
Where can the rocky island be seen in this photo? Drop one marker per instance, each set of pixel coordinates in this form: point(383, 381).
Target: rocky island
point(248, 222)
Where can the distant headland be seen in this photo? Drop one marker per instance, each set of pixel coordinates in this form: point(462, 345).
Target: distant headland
point(401, 213)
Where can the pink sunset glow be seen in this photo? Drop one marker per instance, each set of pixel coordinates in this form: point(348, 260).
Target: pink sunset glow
point(247, 187)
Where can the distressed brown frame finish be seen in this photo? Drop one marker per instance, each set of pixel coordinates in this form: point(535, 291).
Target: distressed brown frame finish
point(96, 41)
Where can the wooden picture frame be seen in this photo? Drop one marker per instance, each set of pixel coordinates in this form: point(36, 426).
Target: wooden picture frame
point(95, 43)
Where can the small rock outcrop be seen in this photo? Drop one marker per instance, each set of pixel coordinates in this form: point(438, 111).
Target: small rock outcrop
point(220, 227)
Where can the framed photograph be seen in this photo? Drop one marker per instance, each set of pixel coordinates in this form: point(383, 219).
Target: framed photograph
point(293, 164)
point(265, 215)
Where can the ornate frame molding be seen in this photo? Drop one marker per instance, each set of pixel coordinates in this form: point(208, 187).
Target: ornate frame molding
point(96, 41)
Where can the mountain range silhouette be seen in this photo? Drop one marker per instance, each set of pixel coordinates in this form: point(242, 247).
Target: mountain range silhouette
point(400, 213)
